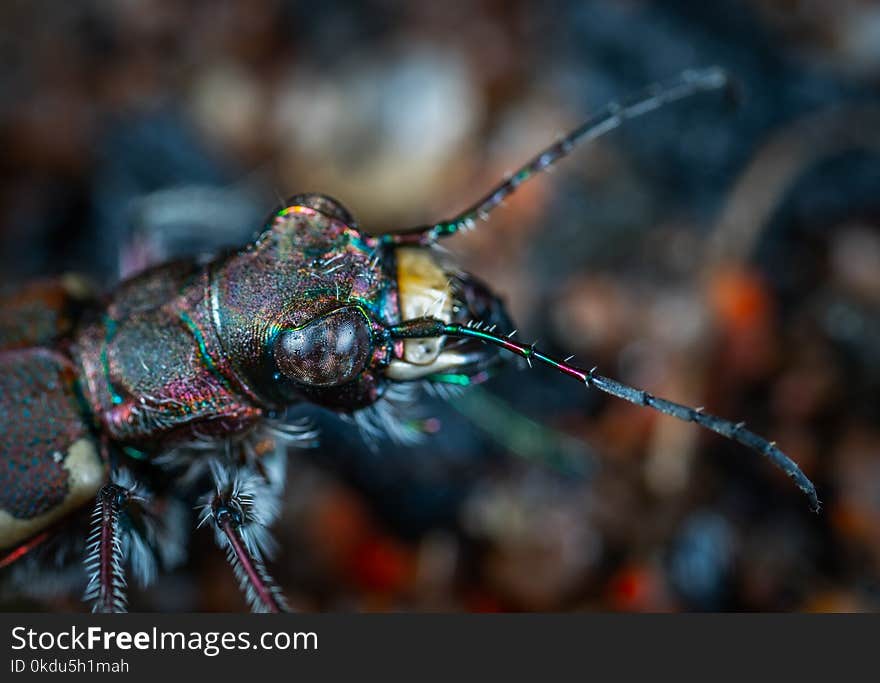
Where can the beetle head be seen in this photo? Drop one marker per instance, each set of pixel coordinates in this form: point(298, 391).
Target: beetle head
point(303, 313)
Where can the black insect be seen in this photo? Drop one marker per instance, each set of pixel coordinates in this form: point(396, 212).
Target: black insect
point(185, 373)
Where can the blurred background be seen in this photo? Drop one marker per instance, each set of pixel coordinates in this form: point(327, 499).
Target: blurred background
point(718, 253)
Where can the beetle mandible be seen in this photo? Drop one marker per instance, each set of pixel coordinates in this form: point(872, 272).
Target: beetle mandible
point(104, 400)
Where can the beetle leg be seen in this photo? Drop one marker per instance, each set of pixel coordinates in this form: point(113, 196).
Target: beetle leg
point(130, 527)
point(241, 508)
point(104, 553)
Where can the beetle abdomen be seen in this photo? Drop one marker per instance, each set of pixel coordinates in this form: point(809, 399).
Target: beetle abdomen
point(49, 464)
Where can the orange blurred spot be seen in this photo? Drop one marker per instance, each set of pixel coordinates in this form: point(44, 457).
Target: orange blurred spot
point(355, 549)
point(851, 521)
point(338, 523)
point(379, 564)
point(635, 589)
point(739, 299)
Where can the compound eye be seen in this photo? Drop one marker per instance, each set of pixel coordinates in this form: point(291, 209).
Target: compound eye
point(326, 352)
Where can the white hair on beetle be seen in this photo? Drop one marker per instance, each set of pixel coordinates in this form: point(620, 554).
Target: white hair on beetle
point(389, 417)
point(255, 502)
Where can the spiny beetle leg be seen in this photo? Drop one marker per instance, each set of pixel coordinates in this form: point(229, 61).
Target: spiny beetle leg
point(241, 508)
point(105, 556)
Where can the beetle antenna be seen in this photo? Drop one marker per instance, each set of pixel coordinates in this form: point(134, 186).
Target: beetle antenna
point(430, 327)
point(610, 117)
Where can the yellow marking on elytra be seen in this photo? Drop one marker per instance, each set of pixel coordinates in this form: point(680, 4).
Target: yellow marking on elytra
point(86, 475)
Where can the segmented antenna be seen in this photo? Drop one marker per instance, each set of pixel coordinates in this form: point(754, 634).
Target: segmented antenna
point(430, 327)
point(104, 554)
point(686, 84)
point(240, 523)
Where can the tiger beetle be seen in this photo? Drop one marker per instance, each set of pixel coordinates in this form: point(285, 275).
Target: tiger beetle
point(184, 373)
